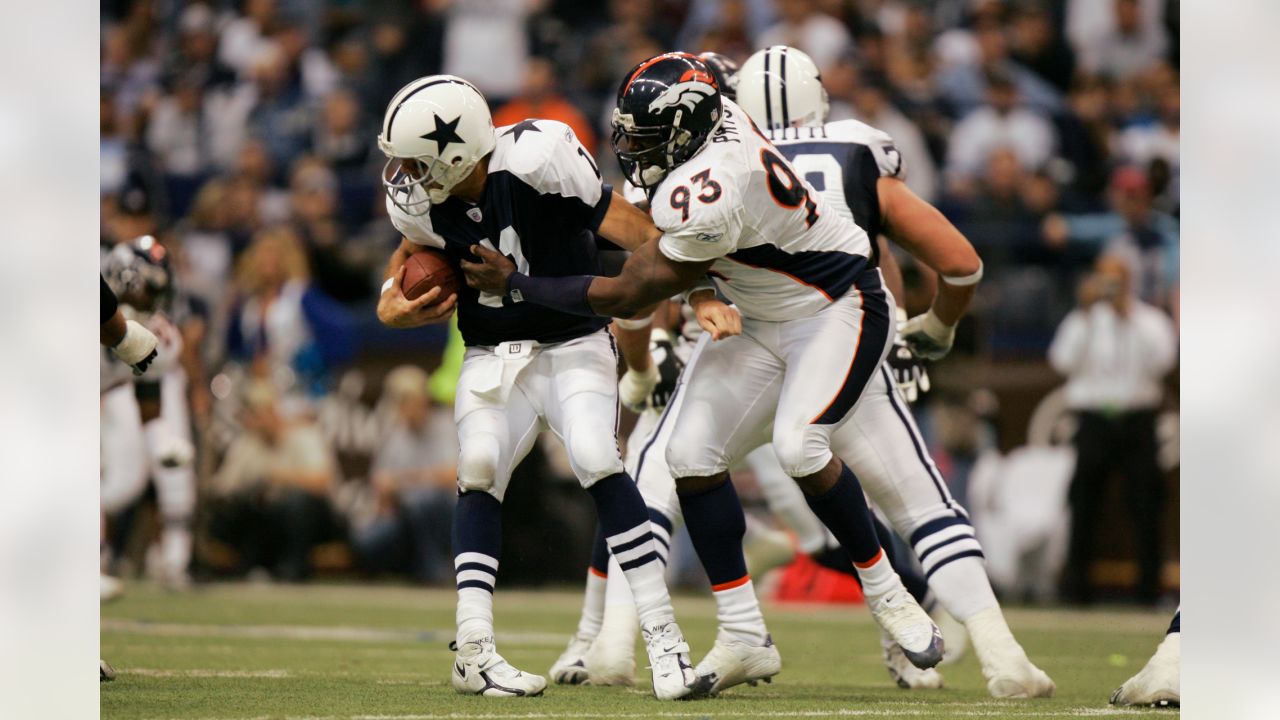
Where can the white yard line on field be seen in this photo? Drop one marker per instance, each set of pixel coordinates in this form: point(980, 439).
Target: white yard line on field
point(311, 632)
point(202, 673)
point(953, 710)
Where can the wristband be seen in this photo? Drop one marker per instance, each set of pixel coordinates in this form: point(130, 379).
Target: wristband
point(704, 283)
point(964, 280)
point(137, 343)
point(388, 285)
point(634, 324)
point(567, 294)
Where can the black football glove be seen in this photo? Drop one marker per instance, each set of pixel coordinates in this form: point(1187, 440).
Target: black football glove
point(669, 369)
point(908, 369)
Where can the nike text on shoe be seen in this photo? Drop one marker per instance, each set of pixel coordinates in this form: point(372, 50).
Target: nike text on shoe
point(673, 675)
point(479, 670)
point(571, 667)
point(909, 625)
point(733, 662)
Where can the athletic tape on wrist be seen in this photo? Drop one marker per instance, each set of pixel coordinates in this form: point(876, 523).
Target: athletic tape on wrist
point(634, 324)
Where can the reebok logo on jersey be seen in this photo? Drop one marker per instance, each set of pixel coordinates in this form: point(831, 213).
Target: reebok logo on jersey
point(707, 237)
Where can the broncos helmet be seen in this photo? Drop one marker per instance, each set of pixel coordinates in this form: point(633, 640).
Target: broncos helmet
point(138, 272)
point(725, 70)
point(668, 108)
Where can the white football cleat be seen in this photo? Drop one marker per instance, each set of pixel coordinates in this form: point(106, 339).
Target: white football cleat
point(109, 588)
point(478, 669)
point(906, 675)
point(898, 614)
point(1159, 682)
point(673, 675)
point(1005, 665)
point(106, 673)
point(733, 662)
point(571, 667)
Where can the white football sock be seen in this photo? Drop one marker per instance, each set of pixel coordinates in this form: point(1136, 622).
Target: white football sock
point(963, 588)
point(877, 576)
point(738, 613)
point(592, 605)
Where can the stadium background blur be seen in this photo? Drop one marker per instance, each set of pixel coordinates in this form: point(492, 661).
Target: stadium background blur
point(242, 135)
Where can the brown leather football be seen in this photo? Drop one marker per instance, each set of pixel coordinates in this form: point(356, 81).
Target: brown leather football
point(430, 268)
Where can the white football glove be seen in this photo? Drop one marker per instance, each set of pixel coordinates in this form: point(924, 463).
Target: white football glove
point(927, 336)
point(138, 346)
point(635, 387)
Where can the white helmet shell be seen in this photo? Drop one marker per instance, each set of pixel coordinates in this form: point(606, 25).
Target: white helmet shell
point(444, 123)
point(780, 87)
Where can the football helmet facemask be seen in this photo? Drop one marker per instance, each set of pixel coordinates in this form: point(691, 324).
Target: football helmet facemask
point(434, 132)
point(138, 272)
point(668, 108)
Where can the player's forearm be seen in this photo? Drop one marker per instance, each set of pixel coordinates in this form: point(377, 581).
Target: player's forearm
point(633, 340)
point(627, 226)
point(892, 272)
point(112, 331)
point(951, 302)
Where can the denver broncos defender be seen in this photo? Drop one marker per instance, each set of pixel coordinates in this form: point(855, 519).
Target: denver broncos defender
point(859, 172)
point(816, 325)
point(531, 192)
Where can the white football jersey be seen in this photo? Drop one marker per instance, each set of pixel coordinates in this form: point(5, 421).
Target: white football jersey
point(843, 160)
point(780, 251)
point(114, 372)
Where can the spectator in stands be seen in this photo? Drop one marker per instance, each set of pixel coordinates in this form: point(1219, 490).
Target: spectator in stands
point(804, 25)
point(414, 476)
point(540, 98)
point(1001, 122)
point(1115, 351)
point(1133, 227)
point(1133, 40)
point(339, 269)
point(247, 36)
point(270, 329)
point(963, 85)
point(272, 489)
point(280, 118)
point(1037, 45)
point(486, 43)
point(871, 104)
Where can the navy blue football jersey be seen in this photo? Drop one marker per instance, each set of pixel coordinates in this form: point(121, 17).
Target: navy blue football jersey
point(543, 201)
point(843, 160)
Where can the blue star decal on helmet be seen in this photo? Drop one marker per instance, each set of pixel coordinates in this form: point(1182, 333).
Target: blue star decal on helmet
point(521, 128)
point(444, 134)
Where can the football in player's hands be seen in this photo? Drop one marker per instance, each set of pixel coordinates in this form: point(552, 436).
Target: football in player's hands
point(427, 269)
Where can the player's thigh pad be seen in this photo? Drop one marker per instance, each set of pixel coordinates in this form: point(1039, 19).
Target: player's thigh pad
point(882, 446)
point(830, 359)
point(582, 407)
point(730, 392)
point(492, 437)
point(123, 451)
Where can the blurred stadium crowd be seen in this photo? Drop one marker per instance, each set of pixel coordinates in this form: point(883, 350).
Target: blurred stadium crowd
point(241, 134)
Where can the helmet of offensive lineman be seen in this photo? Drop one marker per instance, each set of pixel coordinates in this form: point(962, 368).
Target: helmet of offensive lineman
point(780, 87)
point(138, 273)
point(725, 71)
point(668, 108)
point(434, 132)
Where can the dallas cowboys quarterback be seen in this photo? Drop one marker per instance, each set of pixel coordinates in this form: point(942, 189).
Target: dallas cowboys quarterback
point(531, 192)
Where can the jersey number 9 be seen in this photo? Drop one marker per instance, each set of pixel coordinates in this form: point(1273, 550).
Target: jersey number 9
point(787, 189)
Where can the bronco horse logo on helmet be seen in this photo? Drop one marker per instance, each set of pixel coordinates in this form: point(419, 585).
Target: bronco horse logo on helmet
point(694, 87)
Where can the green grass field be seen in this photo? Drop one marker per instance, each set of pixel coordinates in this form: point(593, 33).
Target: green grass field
point(348, 652)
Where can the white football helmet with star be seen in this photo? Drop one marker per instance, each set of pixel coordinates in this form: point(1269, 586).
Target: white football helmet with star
point(434, 132)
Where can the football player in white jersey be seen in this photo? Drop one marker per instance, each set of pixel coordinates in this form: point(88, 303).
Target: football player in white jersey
point(531, 191)
point(146, 430)
point(816, 325)
point(859, 172)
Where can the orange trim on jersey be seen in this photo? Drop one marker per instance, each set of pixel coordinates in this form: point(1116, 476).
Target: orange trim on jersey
point(732, 584)
point(781, 272)
point(597, 573)
point(856, 344)
point(872, 561)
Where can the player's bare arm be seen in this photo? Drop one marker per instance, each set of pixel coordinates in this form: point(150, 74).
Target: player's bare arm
point(397, 311)
point(626, 225)
point(925, 233)
point(647, 277)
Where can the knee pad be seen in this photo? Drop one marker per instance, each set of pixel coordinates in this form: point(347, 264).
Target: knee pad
point(478, 465)
point(691, 458)
point(801, 451)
